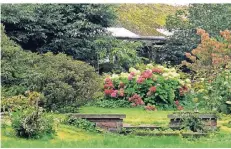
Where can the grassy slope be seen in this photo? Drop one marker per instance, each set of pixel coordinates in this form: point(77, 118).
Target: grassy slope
point(143, 19)
point(68, 136)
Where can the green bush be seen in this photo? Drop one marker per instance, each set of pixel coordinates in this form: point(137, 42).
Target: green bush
point(193, 123)
point(156, 85)
point(62, 80)
point(32, 123)
point(219, 92)
point(112, 103)
point(81, 123)
point(14, 103)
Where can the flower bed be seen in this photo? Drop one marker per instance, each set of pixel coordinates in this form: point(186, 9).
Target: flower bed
point(155, 85)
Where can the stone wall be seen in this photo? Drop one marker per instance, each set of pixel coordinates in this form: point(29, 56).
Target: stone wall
point(110, 122)
point(208, 120)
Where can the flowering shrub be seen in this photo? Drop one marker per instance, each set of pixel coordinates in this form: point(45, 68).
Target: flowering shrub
point(211, 64)
point(156, 85)
point(210, 55)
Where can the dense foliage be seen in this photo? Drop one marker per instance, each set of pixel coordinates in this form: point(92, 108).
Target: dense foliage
point(31, 123)
point(209, 66)
point(211, 56)
point(63, 81)
point(156, 85)
point(29, 120)
point(81, 123)
point(67, 28)
point(112, 103)
point(116, 55)
point(211, 17)
point(219, 92)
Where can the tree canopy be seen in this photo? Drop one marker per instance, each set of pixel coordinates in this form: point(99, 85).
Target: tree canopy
point(58, 28)
point(211, 17)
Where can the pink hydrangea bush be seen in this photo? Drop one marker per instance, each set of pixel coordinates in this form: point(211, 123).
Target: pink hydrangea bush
point(156, 85)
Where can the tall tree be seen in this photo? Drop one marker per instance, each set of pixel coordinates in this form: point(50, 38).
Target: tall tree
point(59, 28)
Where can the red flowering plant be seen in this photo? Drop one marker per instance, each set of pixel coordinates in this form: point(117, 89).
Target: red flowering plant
point(155, 85)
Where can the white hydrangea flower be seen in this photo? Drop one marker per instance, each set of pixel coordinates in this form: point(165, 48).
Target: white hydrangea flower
point(149, 66)
point(124, 75)
point(165, 74)
point(132, 69)
point(115, 76)
point(166, 69)
point(172, 70)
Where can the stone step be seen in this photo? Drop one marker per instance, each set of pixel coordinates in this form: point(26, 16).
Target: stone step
point(150, 127)
point(171, 134)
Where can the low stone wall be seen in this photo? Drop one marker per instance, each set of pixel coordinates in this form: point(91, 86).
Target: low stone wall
point(208, 120)
point(110, 122)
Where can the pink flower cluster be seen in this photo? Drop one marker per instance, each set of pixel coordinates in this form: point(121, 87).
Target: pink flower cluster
point(136, 100)
point(131, 76)
point(108, 84)
point(151, 90)
point(140, 80)
point(157, 70)
point(109, 89)
point(145, 75)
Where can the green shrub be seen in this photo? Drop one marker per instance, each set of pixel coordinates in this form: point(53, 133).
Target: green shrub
point(62, 80)
point(193, 123)
point(156, 85)
point(81, 123)
point(32, 123)
point(14, 103)
point(219, 92)
point(112, 103)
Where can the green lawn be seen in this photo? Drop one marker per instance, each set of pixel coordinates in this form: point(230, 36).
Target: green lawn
point(134, 116)
point(68, 136)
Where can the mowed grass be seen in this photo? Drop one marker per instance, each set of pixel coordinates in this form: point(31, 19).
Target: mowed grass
point(134, 116)
point(71, 137)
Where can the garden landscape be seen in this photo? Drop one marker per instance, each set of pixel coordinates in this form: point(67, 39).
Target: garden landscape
point(115, 76)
